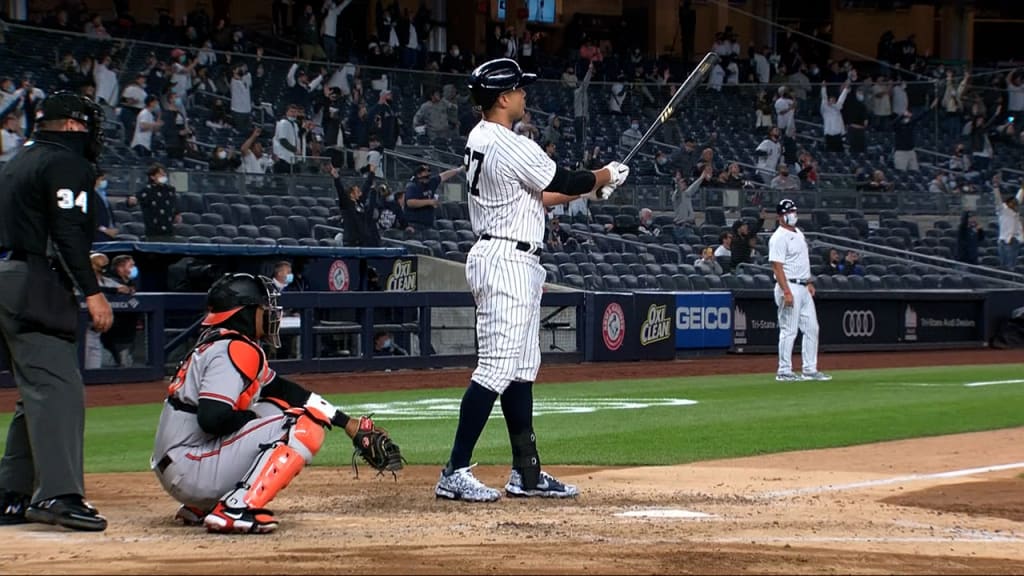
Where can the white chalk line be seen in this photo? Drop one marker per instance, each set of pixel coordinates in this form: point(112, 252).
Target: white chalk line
point(888, 481)
point(993, 383)
point(994, 539)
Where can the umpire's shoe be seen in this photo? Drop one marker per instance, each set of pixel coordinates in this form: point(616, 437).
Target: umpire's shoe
point(461, 484)
point(70, 511)
point(547, 487)
point(12, 508)
point(224, 520)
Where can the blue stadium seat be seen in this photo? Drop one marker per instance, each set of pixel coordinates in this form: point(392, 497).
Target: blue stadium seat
point(248, 231)
point(190, 218)
point(260, 213)
point(242, 214)
point(206, 230)
point(612, 282)
point(227, 230)
point(224, 211)
point(269, 231)
point(211, 218)
point(299, 226)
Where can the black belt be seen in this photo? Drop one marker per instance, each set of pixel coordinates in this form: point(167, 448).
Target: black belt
point(521, 246)
point(800, 282)
point(179, 405)
point(163, 463)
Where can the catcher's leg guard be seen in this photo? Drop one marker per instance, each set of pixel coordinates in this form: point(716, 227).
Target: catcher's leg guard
point(242, 509)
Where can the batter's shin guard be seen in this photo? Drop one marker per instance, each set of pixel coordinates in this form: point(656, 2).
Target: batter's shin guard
point(525, 458)
point(277, 465)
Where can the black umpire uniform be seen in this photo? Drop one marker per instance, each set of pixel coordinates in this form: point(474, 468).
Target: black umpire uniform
point(46, 229)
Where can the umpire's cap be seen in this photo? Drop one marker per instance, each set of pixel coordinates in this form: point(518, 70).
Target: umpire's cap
point(785, 206)
point(67, 104)
point(495, 77)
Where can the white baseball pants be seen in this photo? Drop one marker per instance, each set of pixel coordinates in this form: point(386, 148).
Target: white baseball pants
point(800, 316)
point(507, 285)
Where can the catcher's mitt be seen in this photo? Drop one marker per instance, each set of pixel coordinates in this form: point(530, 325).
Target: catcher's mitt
point(375, 447)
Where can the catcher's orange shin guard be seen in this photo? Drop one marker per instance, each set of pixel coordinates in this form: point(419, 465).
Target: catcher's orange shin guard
point(276, 467)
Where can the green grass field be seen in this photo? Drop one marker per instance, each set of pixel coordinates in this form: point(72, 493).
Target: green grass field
point(622, 423)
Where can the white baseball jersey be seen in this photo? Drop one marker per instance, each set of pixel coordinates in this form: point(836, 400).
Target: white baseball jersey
point(507, 174)
point(790, 248)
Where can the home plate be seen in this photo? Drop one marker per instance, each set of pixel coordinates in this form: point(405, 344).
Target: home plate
point(665, 513)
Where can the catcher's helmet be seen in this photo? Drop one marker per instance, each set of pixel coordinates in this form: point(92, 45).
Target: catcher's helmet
point(235, 292)
point(495, 77)
point(70, 105)
point(785, 206)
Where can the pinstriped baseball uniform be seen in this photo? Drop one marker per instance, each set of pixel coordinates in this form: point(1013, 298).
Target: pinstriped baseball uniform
point(507, 174)
point(204, 466)
point(790, 248)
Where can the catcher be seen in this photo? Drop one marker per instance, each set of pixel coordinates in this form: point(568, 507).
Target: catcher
point(233, 433)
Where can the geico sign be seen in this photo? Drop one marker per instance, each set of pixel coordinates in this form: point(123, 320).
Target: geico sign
point(697, 318)
point(859, 323)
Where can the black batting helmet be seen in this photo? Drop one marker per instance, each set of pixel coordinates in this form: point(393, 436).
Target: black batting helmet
point(495, 77)
point(236, 292)
point(785, 206)
point(70, 105)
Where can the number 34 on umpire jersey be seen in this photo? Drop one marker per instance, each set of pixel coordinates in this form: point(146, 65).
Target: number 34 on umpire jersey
point(507, 175)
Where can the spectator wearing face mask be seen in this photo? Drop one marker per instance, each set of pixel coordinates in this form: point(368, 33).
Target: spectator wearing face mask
point(832, 266)
point(283, 276)
point(850, 265)
point(96, 356)
point(1011, 234)
point(254, 161)
point(783, 180)
point(224, 160)
point(630, 136)
point(421, 199)
point(661, 167)
point(855, 115)
point(241, 97)
point(159, 210)
point(647, 222)
point(11, 138)
point(146, 124)
point(289, 143)
point(831, 115)
point(175, 128)
point(181, 72)
point(120, 339)
point(904, 153)
point(768, 153)
point(384, 345)
point(357, 205)
point(105, 230)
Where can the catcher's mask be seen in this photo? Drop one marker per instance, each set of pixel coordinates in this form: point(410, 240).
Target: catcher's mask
point(234, 293)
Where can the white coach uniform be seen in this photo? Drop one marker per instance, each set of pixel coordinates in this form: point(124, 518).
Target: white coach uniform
point(507, 174)
point(789, 247)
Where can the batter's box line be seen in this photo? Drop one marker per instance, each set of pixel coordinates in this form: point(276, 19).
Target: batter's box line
point(827, 488)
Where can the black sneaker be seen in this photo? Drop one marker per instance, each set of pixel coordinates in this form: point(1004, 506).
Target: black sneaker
point(12, 508)
point(68, 511)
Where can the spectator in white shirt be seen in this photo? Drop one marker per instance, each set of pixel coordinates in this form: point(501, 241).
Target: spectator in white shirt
point(717, 77)
point(1010, 232)
point(1015, 93)
point(900, 103)
point(289, 145)
point(207, 58)
point(762, 68)
point(331, 10)
point(133, 100)
point(630, 136)
point(181, 75)
point(768, 153)
point(11, 138)
point(617, 97)
point(145, 125)
point(832, 116)
point(241, 98)
point(785, 111)
point(724, 249)
point(107, 88)
point(254, 161)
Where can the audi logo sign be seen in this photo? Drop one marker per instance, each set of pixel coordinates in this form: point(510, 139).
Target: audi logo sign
point(859, 323)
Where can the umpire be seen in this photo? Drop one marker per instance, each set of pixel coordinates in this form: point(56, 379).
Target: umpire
point(46, 229)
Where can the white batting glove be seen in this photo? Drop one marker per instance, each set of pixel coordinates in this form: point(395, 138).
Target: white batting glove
point(602, 193)
point(619, 173)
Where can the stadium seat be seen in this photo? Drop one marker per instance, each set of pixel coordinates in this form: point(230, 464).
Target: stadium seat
point(613, 258)
point(630, 282)
point(279, 209)
point(763, 282)
point(207, 230)
point(285, 241)
point(682, 283)
point(467, 246)
point(698, 283)
point(912, 282)
point(931, 281)
point(824, 283)
point(593, 283)
point(857, 283)
point(269, 231)
point(227, 230)
point(242, 241)
point(190, 218)
point(648, 282)
point(185, 230)
point(612, 282)
point(574, 281)
point(892, 282)
point(714, 282)
point(665, 282)
point(637, 269)
point(874, 282)
point(281, 222)
point(588, 268)
point(241, 214)
point(248, 231)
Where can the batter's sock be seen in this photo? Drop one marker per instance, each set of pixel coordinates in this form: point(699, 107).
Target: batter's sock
point(517, 406)
point(476, 407)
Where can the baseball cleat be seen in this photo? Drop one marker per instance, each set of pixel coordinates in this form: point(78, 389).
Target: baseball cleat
point(224, 520)
point(788, 377)
point(461, 484)
point(190, 515)
point(71, 511)
point(821, 376)
point(547, 487)
point(12, 508)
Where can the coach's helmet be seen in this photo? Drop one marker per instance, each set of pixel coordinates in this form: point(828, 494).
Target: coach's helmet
point(785, 206)
point(232, 302)
point(495, 77)
point(70, 105)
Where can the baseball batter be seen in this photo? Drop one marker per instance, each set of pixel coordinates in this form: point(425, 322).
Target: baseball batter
point(233, 433)
point(511, 180)
point(794, 296)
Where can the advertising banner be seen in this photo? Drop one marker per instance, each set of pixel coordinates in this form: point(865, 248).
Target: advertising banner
point(755, 323)
point(703, 320)
point(845, 322)
point(655, 336)
point(393, 274)
point(941, 321)
point(333, 274)
point(612, 330)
